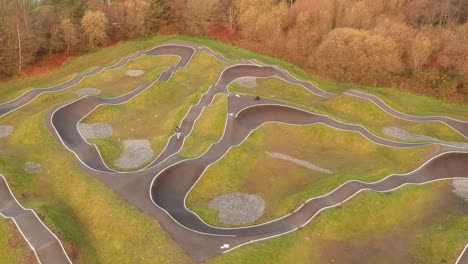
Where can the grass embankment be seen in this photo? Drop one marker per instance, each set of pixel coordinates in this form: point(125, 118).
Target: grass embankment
point(155, 113)
point(373, 228)
point(74, 205)
point(285, 185)
point(104, 57)
point(13, 247)
point(208, 129)
point(78, 207)
point(403, 101)
point(345, 108)
point(116, 82)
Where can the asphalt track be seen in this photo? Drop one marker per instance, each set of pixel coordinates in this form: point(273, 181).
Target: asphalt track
point(160, 189)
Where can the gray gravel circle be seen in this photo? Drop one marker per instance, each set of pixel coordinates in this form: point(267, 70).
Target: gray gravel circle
point(238, 208)
point(460, 188)
point(95, 130)
point(5, 131)
point(88, 91)
point(136, 153)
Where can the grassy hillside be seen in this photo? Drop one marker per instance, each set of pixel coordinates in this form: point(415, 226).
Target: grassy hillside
point(77, 207)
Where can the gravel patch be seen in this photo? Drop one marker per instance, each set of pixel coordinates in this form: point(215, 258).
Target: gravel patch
point(135, 73)
point(32, 167)
point(460, 188)
point(298, 162)
point(136, 153)
point(238, 208)
point(405, 135)
point(88, 91)
point(96, 130)
point(249, 82)
point(5, 131)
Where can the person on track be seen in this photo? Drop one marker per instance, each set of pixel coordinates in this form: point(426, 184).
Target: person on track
point(178, 132)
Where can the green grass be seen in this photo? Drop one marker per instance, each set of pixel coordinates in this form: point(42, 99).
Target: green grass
point(285, 185)
point(77, 207)
point(74, 205)
point(13, 248)
point(208, 129)
point(116, 82)
point(368, 222)
point(155, 113)
point(103, 57)
point(346, 108)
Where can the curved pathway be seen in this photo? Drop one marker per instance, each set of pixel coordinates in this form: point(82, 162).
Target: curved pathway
point(175, 176)
point(458, 125)
point(41, 240)
point(66, 117)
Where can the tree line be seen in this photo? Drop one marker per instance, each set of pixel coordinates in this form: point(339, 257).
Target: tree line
point(417, 45)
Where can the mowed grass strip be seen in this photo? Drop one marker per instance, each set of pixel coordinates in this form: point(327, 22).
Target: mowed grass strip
point(208, 129)
point(285, 185)
point(95, 225)
point(155, 113)
point(347, 109)
point(13, 247)
point(414, 224)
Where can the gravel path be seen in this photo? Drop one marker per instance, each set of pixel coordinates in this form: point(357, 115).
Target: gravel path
point(136, 153)
point(405, 135)
point(32, 167)
point(135, 73)
point(238, 208)
point(298, 161)
point(96, 130)
point(249, 82)
point(460, 188)
point(88, 91)
point(5, 131)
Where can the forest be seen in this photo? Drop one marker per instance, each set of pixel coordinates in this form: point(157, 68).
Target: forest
point(419, 46)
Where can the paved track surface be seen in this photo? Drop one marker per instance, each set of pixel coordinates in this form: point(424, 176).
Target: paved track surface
point(41, 240)
point(160, 189)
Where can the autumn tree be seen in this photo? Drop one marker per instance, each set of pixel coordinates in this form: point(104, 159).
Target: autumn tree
point(264, 19)
point(18, 40)
point(355, 14)
point(94, 25)
point(358, 56)
point(158, 12)
point(200, 15)
point(419, 51)
point(136, 16)
point(70, 8)
point(69, 34)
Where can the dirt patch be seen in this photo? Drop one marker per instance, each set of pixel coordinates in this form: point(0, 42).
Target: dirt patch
point(95, 131)
point(136, 153)
point(32, 167)
point(238, 208)
point(135, 73)
point(402, 134)
point(248, 82)
point(5, 131)
point(298, 161)
point(88, 91)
